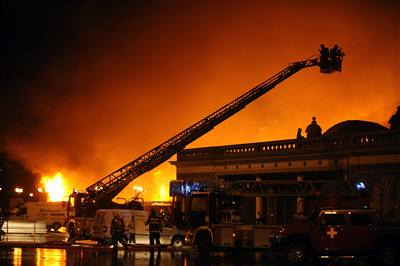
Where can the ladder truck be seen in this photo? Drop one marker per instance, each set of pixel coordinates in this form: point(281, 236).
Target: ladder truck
point(82, 206)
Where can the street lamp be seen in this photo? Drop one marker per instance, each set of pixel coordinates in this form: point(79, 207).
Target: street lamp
point(19, 190)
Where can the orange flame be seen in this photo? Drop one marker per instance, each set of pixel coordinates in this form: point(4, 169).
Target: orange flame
point(161, 193)
point(155, 187)
point(54, 186)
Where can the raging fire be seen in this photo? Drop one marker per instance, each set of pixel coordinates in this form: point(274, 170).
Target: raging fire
point(154, 188)
point(54, 186)
point(161, 192)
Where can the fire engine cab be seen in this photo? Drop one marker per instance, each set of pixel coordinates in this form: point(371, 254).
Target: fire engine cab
point(339, 232)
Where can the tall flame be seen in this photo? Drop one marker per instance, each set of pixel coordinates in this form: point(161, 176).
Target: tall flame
point(161, 192)
point(54, 186)
point(155, 187)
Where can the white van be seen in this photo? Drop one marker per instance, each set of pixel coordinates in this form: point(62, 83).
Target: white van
point(170, 235)
point(52, 213)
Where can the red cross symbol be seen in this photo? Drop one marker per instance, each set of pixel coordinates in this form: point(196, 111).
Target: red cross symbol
point(332, 232)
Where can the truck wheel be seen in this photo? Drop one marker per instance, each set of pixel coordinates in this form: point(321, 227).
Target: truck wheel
point(177, 242)
point(387, 255)
point(295, 253)
point(56, 226)
point(204, 242)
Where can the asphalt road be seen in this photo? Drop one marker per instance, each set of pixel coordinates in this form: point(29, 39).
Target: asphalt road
point(52, 249)
point(88, 256)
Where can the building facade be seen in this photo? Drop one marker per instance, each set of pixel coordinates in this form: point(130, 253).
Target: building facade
point(284, 178)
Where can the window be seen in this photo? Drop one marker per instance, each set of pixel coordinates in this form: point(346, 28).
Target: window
point(361, 219)
point(333, 219)
point(199, 204)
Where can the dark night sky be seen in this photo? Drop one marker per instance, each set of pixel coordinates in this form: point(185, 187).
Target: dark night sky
point(86, 86)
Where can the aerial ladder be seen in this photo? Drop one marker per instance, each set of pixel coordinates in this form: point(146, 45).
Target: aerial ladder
point(100, 194)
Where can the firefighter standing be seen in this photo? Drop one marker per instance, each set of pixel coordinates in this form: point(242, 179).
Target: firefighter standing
point(117, 231)
point(132, 230)
point(154, 223)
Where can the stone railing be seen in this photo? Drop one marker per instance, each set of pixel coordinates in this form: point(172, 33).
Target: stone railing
point(294, 146)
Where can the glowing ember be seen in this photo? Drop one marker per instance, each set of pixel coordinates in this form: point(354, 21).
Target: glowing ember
point(54, 186)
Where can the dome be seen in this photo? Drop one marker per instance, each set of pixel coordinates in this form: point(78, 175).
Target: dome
point(352, 127)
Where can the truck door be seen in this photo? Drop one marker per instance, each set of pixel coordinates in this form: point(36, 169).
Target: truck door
point(199, 209)
point(328, 232)
point(362, 234)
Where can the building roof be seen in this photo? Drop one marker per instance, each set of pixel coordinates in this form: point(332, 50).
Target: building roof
point(353, 127)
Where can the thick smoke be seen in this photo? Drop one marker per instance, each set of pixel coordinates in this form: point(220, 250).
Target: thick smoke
point(86, 87)
point(14, 173)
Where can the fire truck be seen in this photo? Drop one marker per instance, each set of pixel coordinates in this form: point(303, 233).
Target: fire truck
point(342, 233)
point(215, 216)
point(83, 205)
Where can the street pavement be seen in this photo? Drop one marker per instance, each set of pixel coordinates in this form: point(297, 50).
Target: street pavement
point(53, 249)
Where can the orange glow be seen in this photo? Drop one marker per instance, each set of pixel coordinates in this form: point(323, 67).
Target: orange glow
point(104, 109)
point(160, 193)
point(54, 186)
point(138, 189)
point(154, 185)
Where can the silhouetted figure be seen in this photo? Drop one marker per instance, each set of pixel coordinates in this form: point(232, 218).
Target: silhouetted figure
point(117, 230)
point(325, 63)
point(313, 130)
point(336, 54)
point(154, 223)
point(324, 52)
point(132, 230)
point(394, 121)
point(299, 136)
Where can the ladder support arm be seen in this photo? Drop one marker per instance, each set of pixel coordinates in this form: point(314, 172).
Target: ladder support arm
point(111, 185)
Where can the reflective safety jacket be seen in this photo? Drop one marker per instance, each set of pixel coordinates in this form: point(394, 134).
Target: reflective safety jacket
point(154, 223)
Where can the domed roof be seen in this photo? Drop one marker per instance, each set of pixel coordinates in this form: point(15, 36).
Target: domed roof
point(352, 127)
